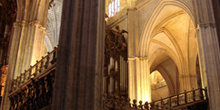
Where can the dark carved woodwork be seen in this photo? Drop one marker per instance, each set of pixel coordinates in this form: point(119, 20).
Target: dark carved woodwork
point(4, 43)
point(115, 46)
point(3, 71)
point(35, 95)
point(9, 11)
point(33, 89)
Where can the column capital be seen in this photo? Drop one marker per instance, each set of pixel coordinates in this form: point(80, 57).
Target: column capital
point(31, 23)
point(208, 24)
point(131, 9)
point(19, 24)
point(138, 58)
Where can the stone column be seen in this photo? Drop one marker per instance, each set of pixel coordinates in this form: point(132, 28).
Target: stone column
point(145, 80)
point(184, 80)
point(29, 33)
point(80, 60)
point(132, 93)
point(209, 50)
point(139, 79)
point(133, 37)
point(139, 73)
point(27, 43)
point(216, 9)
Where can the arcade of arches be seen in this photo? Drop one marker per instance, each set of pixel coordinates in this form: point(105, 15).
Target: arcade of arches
point(164, 47)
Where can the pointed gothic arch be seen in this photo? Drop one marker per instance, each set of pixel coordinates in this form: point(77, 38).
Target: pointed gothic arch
point(149, 25)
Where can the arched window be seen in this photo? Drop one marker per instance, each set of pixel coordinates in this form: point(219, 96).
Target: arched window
point(113, 7)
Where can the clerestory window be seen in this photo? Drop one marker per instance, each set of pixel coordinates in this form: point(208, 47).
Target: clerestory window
point(113, 8)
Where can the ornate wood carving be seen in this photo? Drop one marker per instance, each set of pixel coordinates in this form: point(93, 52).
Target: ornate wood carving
point(33, 89)
point(35, 95)
point(9, 10)
point(115, 46)
point(4, 42)
point(3, 72)
point(3, 77)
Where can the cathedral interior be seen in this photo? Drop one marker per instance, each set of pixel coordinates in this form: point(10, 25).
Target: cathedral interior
point(109, 54)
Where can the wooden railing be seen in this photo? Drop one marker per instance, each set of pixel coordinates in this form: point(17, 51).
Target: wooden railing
point(32, 90)
point(186, 98)
point(34, 95)
point(182, 100)
point(35, 70)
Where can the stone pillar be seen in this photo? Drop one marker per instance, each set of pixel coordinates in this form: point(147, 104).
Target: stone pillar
point(27, 43)
point(184, 80)
point(139, 79)
point(29, 33)
point(216, 9)
point(209, 50)
point(80, 60)
point(145, 80)
point(138, 70)
point(133, 37)
point(132, 93)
